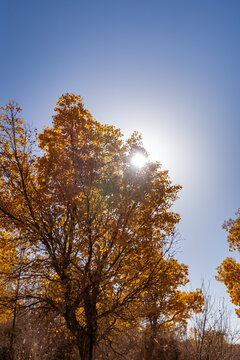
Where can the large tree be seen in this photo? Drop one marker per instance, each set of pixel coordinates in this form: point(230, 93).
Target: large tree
point(93, 230)
point(229, 270)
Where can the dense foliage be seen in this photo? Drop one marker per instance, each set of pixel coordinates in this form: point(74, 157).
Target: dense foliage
point(84, 233)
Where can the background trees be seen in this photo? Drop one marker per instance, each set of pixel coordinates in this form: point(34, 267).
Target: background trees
point(229, 270)
point(90, 232)
point(210, 334)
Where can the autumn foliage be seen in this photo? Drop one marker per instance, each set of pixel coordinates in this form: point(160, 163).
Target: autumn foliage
point(84, 233)
point(229, 270)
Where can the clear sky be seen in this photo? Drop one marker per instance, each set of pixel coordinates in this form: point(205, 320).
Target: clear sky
point(169, 69)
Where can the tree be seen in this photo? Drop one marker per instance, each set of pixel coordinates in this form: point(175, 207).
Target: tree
point(166, 307)
point(94, 229)
point(229, 270)
point(211, 336)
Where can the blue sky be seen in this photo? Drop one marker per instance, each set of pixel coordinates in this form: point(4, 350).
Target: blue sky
point(169, 69)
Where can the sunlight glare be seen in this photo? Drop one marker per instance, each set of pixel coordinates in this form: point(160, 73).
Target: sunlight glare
point(139, 160)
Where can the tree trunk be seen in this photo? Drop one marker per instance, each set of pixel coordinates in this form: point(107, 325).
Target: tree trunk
point(85, 337)
point(86, 346)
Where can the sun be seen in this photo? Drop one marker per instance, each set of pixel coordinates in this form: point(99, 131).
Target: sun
point(139, 160)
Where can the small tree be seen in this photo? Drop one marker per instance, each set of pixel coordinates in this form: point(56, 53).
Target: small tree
point(94, 227)
point(211, 336)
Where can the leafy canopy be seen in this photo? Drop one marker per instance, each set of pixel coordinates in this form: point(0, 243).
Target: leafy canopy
point(93, 230)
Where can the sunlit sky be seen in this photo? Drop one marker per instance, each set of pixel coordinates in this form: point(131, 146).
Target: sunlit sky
point(169, 69)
